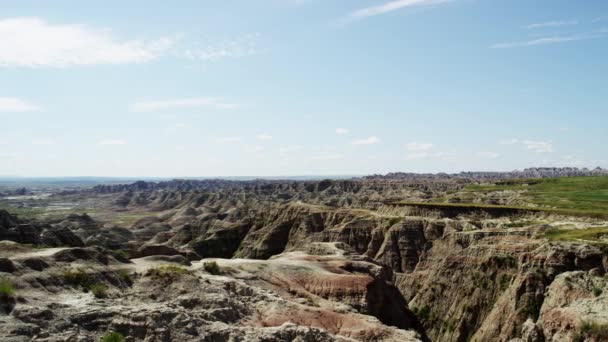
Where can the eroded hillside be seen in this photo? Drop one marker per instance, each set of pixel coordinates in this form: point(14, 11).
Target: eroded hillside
point(367, 260)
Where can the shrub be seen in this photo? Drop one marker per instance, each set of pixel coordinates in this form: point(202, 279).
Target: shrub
point(125, 275)
point(212, 267)
point(597, 291)
point(76, 277)
point(595, 330)
point(167, 272)
point(112, 337)
point(505, 281)
point(424, 313)
point(99, 290)
point(6, 289)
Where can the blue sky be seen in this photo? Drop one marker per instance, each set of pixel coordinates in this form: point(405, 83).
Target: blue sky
point(301, 87)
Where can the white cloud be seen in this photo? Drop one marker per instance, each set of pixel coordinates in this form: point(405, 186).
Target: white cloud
point(238, 47)
point(292, 148)
point(538, 146)
point(418, 146)
point(113, 142)
point(325, 156)
point(367, 141)
point(186, 103)
point(426, 155)
point(264, 137)
point(342, 130)
point(549, 40)
point(229, 139)
point(15, 105)
point(392, 6)
point(43, 142)
point(509, 141)
point(488, 155)
point(32, 42)
point(552, 24)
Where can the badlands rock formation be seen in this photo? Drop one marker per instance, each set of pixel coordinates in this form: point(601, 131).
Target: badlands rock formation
point(298, 261)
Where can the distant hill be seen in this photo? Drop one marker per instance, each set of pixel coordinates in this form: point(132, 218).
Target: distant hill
point(534, 172)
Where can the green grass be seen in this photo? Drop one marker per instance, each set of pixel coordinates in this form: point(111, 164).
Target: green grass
point(574, 196)
point(591, 235)
point(112, 337)
point(76, 277)
point(6, 288)
point(99, 290)
point(167, 272)
point(594, 330)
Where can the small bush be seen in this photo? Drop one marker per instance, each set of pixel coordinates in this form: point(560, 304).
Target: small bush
point(112, 337)
point(125, 275)
point(99, 290)
point(212, 267)
point(6, 289)
point(167, 272)
point(597, 291)
point(76, 277)
point(595, 330)
point(505, 281)
point(424, 313)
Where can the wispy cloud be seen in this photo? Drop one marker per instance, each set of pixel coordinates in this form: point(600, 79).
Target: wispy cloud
point(15, 105)
point(225, 140)
point(342, 130)
point(33, 42)
point(556, 23)
point(289, 149)
point(187, 103)
point(264, 137)
point(328, 156)
point(488, 155)
point(509, 141)
point(242, 46)
point(393, 6)
point(112, 142)
point(418, 146)
point(427, 155)
point(538, 146)
point(550, 40)
point(367, 141)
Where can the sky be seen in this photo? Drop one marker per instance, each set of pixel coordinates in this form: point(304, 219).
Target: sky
point(300, 87)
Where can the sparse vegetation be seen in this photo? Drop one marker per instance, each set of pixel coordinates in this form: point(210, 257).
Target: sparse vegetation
point(6, 289)
point(99, 290)
point(423, 313)
point(125, 276)
point(591, 235)
point(76, 277)
point(575, 196)
point(212, 267)
point(505, 280)
point(170, 273)
point(599, 332)
point(112, 337)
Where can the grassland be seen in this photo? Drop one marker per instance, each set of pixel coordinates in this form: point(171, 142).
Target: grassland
point(596, 235)
point(576, 196)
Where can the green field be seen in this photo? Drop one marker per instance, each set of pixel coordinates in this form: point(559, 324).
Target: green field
point(591, 235)
point(577, 196)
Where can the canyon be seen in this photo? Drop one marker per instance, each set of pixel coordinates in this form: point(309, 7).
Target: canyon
point(391, 258)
